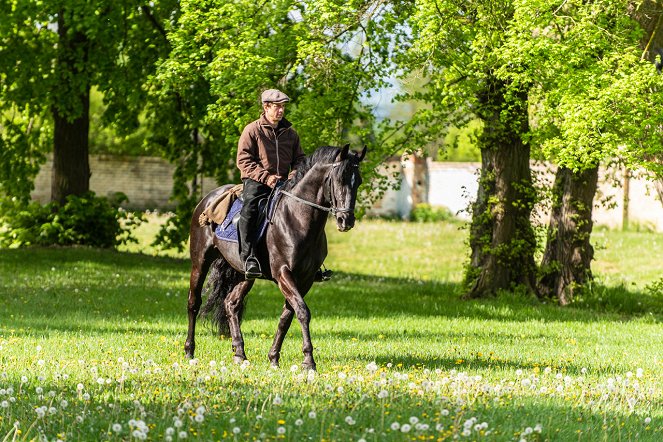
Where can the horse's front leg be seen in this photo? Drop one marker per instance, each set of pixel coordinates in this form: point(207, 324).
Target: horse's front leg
point(234, 305)
point(284, 324)
point(293, 297)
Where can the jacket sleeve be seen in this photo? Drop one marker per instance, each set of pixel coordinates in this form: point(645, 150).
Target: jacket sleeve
point(248, 158)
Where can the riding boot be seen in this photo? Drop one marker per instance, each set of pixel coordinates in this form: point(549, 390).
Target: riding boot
point(246, 230)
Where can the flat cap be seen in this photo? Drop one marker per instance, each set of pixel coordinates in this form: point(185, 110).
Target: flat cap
point(274, 96)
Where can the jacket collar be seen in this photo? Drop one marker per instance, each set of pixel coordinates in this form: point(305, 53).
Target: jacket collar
point(283, 124)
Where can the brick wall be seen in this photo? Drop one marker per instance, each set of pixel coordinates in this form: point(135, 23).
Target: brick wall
point(147, 181)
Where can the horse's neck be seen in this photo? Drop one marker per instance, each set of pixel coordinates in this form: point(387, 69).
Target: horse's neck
point(311, 186)
point(311, 189)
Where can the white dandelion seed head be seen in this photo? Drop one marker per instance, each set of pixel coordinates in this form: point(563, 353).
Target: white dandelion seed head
point(405, 428)
point(395, 426)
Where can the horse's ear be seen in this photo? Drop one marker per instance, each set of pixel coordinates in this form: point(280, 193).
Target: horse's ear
point(344, 152)
point(363, 153)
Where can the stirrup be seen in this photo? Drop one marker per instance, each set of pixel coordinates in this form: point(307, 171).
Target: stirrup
point(323, 275)
point(253, 271)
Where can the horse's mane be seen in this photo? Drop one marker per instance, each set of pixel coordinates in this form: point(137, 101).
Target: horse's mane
point(322, 155)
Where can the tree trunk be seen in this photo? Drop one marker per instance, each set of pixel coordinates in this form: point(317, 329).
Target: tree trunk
point(71, 116)
point(566, 262)
point(71, 167)
point(501, 235)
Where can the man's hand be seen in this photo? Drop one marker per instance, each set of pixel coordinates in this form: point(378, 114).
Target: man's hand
point(272, 180)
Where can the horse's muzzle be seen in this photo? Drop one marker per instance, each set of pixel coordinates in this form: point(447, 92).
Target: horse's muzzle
point(345, 222)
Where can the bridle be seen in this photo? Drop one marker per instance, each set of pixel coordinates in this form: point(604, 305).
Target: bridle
point(332, 208)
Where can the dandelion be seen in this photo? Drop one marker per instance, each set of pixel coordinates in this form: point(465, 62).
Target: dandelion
point(466, 432)
point(117, 428)
point(312, 414)
point(538, 428)
point(199, 418)
point(405, 428)
point(383, 394)
point(280, 430)
point(80, 387)
point(349, 420)
point(277, 400)
point(86, 397)
point(182, 435)
point(170, 431)
point(519, 372)
point(39, 390)
point(395, 426)
point(236, 430)
point(193, 362)
point(444, 412)
point(177, 422)
point(372, 367)
point(414, 419)
point(4, 404)
point(294, 368)
point(647, 420)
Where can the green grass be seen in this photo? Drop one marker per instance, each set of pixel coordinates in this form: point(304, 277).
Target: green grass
point(96, 337)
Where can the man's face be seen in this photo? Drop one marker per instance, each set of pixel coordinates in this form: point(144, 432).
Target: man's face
point(274, 111)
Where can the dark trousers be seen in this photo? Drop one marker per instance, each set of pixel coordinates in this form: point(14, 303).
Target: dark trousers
point(248, 222)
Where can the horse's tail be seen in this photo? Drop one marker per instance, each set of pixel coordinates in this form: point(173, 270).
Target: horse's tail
point(222, 279)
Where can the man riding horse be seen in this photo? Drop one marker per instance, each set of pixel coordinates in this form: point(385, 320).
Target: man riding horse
point(268, 150)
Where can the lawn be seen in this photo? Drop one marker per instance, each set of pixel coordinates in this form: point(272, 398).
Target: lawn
point(91, 348)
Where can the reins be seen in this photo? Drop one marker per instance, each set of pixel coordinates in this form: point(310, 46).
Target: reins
point(334, 210)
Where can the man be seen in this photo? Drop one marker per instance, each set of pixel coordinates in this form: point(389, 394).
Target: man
point(267, 151)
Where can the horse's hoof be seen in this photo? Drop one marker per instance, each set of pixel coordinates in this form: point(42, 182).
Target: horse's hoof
point(239, 360)
point(307, 367)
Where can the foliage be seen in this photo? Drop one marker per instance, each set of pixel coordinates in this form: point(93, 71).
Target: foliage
point(325, 56)
point(400, 356)
point(83, 220)
point(425, 213)
point(593, 93)
point(52, 51)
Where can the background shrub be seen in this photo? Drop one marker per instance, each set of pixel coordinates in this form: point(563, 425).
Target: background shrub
point(425, 213)
point(83, 220)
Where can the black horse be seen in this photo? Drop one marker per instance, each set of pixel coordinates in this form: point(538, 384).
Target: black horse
point(291, 252)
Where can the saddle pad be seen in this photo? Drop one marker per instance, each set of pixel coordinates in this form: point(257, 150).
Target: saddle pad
point(227, 230)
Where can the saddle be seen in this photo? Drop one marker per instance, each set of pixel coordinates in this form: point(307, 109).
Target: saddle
point(226, 230)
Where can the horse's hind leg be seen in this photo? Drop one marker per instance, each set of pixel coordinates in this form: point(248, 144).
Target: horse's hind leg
point(234, 305)
point(200, 265)
point(284, 324)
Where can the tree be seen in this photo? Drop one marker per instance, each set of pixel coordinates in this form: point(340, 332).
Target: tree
point(52, 53)
point(592, 93)
point(454, 45)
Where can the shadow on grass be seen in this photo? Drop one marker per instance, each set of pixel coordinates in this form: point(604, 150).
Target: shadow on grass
point(82, 289)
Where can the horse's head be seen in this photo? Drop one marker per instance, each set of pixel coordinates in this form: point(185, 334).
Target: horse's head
point(344, 180)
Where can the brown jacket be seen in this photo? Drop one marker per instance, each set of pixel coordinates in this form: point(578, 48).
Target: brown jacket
point(263, 151)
